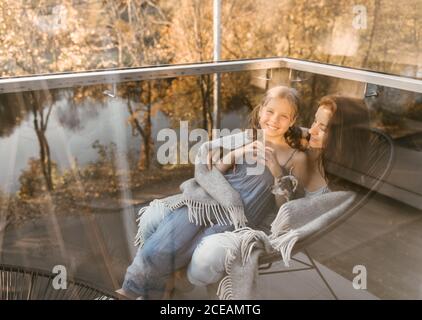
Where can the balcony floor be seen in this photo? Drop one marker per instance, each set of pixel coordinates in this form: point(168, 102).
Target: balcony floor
point(384, 236)
point(294, 285)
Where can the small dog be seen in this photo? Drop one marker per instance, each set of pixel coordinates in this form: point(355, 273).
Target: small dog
point(286, 185)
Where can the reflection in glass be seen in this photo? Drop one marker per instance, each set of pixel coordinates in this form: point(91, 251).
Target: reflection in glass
point(61, 36)
point(77, 164)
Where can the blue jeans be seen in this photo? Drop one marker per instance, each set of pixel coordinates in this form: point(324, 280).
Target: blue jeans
point(169, 246)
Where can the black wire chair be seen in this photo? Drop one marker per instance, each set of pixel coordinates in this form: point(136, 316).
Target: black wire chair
point(22, 283)
point(379, 164)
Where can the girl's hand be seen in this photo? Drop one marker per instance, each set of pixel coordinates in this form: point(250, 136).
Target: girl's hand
point(250, 149)
point(212, 157)
point(233, 157)
point(270, 160)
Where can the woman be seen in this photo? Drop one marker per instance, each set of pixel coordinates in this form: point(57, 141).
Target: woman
point(337, 136)
point(171, 237)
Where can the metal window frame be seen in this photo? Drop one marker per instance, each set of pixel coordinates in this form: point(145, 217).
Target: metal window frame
point(75, 79)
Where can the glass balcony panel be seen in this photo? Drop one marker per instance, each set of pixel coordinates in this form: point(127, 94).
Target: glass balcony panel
point(68, 36)
point(75, 170)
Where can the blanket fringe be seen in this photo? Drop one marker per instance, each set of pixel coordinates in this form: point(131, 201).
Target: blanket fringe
point(225, 289)
point(248, 240)
point(284, 244)
point(244, 240)
point(281, 224)
point(199, 213)
point(237, 216)
point(140, 237)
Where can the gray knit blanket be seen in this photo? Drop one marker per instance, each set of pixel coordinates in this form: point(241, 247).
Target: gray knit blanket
point(208, 195)
point(295, 221)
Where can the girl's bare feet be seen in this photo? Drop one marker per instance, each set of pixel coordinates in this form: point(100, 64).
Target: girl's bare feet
point(124, 295)
point(181, 282)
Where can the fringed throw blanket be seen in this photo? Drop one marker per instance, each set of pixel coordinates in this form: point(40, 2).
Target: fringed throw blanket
point(296, 220)
point(209, 196)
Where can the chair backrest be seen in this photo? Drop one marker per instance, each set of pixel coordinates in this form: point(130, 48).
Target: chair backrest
point(379, 162)
point(378, 167)
point(21, 283)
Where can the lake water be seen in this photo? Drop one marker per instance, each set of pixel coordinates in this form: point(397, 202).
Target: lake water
point(72, 131)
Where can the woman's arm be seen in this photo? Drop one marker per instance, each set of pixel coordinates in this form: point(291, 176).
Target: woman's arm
point(277, 171)
point(300, 168)
point(280, 200)
point(299, 171)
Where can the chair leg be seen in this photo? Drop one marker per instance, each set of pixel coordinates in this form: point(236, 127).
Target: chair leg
point(320, 274)
point(266, 267)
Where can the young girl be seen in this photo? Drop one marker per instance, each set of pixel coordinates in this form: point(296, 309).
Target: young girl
point(339, 134)
point(171, 241)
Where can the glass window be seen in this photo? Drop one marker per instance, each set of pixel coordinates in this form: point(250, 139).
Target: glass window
point(66, 36)
point(78, 163)
point(381, 35)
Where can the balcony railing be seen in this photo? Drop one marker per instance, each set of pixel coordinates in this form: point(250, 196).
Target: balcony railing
point(67, 80)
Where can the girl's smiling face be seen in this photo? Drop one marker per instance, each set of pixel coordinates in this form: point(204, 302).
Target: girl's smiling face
point(319, 128)
point(276, 117)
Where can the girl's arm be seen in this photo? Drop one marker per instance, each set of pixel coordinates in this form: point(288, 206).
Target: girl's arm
point(226, 162)
point(229, 159)
point(219, 159)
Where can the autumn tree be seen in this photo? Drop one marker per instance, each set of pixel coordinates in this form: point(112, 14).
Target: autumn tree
point(191, 41)
point(138, 28)
point(72, 36)
point(143, 101)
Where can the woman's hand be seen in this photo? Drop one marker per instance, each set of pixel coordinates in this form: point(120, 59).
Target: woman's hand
point(304, 141)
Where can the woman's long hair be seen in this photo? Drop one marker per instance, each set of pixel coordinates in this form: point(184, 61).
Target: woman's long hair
point(348, 135)
point(293, 135)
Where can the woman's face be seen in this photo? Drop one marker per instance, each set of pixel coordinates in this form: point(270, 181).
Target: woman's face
point(319, 128)
point(276, 117)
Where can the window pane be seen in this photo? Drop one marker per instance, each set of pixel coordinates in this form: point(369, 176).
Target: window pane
point(77, 164)
point(382, 35)
point(63, 36)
